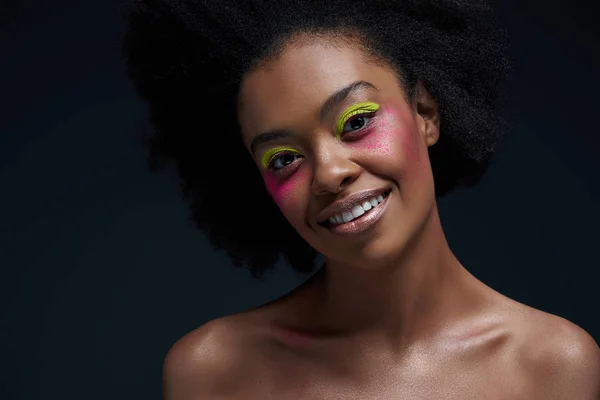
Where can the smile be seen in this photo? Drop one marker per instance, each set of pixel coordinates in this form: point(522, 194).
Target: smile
point(361, 217)
point(357, 211)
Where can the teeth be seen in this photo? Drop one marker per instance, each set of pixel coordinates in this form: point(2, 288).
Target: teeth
point(347, 216)
point(356, 212)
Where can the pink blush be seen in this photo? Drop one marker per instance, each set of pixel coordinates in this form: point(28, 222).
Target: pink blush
point(409, 146)
point(284, 191)
point(388, 137)
point(377, 142)
point(376, 139)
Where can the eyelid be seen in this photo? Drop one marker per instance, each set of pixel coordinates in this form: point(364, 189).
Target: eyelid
point(270, 154)
point(365, 107)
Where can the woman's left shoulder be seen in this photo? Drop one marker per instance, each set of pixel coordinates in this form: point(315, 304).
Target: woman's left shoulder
point(562, 359)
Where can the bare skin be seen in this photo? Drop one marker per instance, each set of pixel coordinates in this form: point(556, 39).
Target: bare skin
point(505, 351)
point(393, 314)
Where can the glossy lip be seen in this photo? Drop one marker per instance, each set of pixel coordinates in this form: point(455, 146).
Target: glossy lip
point(348, 202)
point(363, 222)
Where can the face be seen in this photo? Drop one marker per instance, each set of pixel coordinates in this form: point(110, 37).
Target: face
point(342, 152)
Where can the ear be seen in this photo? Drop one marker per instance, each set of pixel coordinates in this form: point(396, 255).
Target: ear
point(427, 115)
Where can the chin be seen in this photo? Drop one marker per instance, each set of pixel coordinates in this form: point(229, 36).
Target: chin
point(380, 250)
point(377, 254)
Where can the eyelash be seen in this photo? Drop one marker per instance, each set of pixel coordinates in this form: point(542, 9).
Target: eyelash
point(277, 156)
point(351, 117)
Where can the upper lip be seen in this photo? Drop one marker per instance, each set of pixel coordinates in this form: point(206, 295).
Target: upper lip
point(348, 203)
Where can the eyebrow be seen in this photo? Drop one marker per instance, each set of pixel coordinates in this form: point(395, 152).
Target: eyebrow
point(327, 108)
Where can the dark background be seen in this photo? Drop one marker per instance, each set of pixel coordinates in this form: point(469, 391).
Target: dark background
point(102, 272)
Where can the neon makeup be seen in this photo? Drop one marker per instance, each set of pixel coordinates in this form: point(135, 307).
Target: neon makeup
point(356, 109)
point(382, 139)
point(284, 191)
point(269, 155)
point(409, 146)
point(386, 132)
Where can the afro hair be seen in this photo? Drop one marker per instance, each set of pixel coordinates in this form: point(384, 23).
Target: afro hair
point(187, 59)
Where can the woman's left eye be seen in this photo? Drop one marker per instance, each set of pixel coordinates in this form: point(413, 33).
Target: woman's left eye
point(357, 122)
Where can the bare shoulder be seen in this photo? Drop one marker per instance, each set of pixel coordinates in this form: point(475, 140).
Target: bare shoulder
point(204, 363)
point(561, 358)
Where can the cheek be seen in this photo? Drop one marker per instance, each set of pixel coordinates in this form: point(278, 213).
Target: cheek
point(393, 137)
point(287, 193)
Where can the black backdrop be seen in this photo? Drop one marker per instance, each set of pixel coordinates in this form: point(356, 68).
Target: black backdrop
point(102, 272)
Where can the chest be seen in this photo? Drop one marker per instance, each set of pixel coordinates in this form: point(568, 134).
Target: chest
point(491, 381)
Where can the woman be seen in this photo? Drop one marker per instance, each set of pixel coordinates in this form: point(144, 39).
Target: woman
point(355, 117)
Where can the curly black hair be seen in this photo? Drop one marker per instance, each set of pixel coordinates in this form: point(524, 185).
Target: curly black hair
point(187, 59)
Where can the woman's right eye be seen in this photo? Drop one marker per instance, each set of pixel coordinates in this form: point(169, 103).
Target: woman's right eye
point(282, 160)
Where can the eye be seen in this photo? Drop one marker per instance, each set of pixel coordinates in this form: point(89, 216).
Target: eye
point(357, 122)
point(282, 160)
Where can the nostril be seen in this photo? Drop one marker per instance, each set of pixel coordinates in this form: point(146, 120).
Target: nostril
point(345, 181)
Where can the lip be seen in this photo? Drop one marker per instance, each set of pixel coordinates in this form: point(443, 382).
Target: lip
point(348, 202)
point(363, 222)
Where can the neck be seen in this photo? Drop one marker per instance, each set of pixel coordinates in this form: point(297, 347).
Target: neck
point(416, 294)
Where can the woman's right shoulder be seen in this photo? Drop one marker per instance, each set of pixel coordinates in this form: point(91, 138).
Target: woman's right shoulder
point(205, 362)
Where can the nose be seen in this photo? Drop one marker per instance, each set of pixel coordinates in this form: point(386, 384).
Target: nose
point(334, 171)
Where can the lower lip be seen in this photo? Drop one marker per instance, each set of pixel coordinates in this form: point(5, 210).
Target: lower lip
point(363, 222)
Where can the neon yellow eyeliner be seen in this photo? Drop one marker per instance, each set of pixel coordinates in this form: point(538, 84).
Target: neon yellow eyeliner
point(275, 151)
point(359, 108)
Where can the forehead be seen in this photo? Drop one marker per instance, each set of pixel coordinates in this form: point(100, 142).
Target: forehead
point(286, 93)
